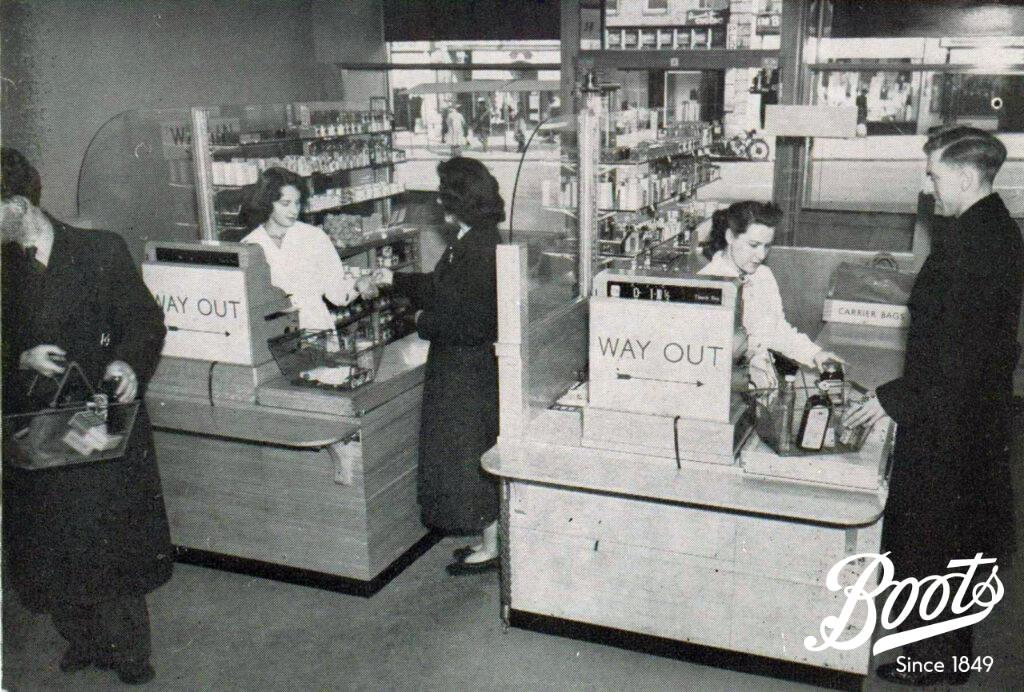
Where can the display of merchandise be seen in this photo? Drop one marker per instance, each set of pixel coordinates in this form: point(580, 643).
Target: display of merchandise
point(332, 157)
point(342, 196)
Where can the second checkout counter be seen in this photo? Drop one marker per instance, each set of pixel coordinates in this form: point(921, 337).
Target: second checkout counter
point(285, 476)
point(641, 502)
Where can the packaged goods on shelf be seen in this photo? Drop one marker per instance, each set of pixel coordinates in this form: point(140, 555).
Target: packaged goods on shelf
point(339, 197)
point(344, 229)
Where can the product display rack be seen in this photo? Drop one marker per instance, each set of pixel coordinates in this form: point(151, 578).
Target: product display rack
point(644, 185)
point(346, 158)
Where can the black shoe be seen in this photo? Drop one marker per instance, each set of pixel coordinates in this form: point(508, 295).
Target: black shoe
point(458, 569)
point(890, 672)
point(132, 673)
point(462, 553)
point(74, 660)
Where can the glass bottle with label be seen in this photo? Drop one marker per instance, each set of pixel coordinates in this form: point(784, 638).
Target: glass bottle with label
point(815, 424)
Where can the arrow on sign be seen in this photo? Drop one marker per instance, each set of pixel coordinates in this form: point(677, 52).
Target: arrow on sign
point(198, 331)
point(624, 376)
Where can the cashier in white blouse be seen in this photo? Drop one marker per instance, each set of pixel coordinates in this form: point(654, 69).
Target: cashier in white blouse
point(303, 261)
point(741, 236)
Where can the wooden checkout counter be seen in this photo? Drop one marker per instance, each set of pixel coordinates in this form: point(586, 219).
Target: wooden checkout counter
point(263, 475)
point(608, 529)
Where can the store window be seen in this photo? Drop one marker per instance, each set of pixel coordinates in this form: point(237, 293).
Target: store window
point(611, 6)
point(903, 89)
point(657, 6)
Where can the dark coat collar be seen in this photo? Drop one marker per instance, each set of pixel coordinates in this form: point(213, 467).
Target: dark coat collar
point(981, 213)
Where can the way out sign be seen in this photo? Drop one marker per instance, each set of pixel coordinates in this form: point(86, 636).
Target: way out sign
point(661, 358)
point(205, 310)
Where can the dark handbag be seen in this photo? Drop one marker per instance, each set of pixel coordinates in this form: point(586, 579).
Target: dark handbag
point(67, 433)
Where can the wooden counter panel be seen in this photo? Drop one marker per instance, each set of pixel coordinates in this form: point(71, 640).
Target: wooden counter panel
point(623, 586)
point(283, 505)
point(248, 422)
point(773, 616)
point(762, 593)
point(393, 520)
point(647, 526)
point(798, 552)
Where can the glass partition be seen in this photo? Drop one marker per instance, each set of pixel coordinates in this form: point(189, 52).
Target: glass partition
point(136, 178)
point(865, 192)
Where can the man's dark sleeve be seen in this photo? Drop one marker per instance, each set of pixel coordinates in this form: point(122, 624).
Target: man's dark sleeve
point(138, 316)
point(939, 372)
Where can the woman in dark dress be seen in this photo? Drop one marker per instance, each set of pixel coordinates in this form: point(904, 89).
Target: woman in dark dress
point(457, 312)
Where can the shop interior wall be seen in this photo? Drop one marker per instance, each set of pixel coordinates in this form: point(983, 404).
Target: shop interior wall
point(71, 66)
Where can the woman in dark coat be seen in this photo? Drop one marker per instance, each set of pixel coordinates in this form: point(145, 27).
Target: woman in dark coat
point(458, 314)
point(85, 542)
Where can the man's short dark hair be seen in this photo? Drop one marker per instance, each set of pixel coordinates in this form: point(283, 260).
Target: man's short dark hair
point(968, 146)
point(18, 178)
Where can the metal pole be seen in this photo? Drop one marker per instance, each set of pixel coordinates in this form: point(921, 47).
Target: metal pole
point(202, 166)
point(589, 145)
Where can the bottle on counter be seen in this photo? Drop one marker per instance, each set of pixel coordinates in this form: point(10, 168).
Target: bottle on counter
point(788, 403)
point(815, 426)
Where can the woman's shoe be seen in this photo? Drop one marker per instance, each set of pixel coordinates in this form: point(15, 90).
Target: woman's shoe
point(460, 554)
point(458, 569)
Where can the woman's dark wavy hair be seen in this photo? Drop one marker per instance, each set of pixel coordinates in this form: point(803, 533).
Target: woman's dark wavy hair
point(19, 177)
point(470, 192)
point(259, 202)
point(738, 218)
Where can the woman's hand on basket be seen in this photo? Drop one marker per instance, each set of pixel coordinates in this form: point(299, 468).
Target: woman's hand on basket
point(127, 381)
point(367, 288)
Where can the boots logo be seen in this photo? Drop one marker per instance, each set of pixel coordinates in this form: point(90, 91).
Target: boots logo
point(968, 602)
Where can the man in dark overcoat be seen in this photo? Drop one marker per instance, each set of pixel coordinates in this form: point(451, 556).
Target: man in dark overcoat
point(949, 492)
point(84, 542)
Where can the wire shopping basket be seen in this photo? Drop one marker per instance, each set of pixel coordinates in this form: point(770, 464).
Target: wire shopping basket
point(68, 434)
point(327, 360)
point(786, 424)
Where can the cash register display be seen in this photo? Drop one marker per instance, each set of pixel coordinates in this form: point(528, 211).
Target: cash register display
point(698, 295)
point(180, 255)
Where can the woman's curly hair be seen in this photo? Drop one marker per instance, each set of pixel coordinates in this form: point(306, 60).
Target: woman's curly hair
point(469, 192)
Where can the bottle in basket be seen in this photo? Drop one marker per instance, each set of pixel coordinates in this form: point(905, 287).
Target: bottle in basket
point(815, 424)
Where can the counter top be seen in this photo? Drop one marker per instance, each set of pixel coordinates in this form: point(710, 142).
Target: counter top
point(553, 454)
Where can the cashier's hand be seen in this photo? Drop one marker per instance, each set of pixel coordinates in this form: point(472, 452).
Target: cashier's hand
point(867, 413)
point(762, 371)
point(367, 288)
point(46, 359)
point(822, 356)
point(127, 382)
point(383, 276)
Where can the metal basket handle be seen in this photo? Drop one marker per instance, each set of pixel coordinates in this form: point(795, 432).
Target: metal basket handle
point(72, 367)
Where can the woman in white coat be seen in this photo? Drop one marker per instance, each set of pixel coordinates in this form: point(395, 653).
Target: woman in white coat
point(741, 237)
point(303, 261)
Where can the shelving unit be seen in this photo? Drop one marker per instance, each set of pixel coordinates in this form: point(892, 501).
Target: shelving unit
point(345, 157)
point(643, 184)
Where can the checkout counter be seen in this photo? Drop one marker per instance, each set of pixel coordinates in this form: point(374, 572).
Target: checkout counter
point(639, 498)
point(263, 470)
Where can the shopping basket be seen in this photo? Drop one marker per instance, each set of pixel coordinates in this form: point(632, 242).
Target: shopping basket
point(65, 434)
